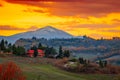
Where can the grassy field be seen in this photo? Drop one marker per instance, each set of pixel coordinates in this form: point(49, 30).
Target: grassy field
point(36, 71)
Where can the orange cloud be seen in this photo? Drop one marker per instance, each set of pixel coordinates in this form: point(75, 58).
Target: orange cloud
point(77, 17)
point(0, 5)
point(94, 26)
point(7, 27)
point(83, 8)
point(115, 31)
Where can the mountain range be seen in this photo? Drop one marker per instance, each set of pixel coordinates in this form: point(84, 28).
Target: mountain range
point(47, 32)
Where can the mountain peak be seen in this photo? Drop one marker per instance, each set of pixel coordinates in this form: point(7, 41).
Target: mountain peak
point(48, 27)
point(47, 32)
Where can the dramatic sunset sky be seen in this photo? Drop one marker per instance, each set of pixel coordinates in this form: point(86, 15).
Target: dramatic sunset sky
point(94, 18)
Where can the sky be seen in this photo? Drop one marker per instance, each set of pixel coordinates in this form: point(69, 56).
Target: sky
point(94, 18)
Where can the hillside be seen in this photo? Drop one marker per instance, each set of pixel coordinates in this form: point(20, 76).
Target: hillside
point(84, 47)
point(37, 69)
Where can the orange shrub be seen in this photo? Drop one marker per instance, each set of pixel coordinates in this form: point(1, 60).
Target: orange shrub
point(10, 71)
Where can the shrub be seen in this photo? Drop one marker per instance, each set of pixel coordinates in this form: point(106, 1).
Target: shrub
point(10, 71)
point(73, 60)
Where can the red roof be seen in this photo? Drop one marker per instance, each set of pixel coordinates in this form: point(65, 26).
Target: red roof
point(40, 51)
point(31, 51)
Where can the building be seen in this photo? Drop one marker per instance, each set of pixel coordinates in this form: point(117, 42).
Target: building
point(30, 53)
point(41, 53)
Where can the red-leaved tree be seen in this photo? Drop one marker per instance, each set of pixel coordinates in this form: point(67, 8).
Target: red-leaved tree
point(10, 71)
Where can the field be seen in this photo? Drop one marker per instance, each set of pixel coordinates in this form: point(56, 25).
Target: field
point(41, 69)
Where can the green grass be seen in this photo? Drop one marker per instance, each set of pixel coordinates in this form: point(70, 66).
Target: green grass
point(45, 72)
point(49, 72)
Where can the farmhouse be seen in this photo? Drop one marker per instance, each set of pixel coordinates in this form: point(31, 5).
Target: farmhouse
point(30, 53)
point(41, 53)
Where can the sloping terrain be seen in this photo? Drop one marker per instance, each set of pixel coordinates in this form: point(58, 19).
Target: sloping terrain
point(39, 70)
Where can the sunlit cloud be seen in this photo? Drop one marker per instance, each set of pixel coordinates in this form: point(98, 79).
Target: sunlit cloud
point(7, 27)
point(116, 31)
point(95, 18)
point(0, 5)
point(83, 8)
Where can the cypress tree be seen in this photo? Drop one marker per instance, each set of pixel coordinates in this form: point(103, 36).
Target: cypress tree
point(105, 63)
point(101, 64)
point(61, 52)
point(35, 51)
point(47, 51)
point(2, 45)
point(39, 45)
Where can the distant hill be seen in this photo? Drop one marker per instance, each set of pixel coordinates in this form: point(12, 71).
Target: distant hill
point(80, 47)
point(85, 44)
point(47, 32)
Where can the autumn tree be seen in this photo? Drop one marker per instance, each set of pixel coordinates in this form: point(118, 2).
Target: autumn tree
point(10, 71)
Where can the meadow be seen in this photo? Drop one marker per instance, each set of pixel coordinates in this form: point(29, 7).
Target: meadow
point(42, 69)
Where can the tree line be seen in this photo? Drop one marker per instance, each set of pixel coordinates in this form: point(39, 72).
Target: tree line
point(5, 46)
point(50, 52)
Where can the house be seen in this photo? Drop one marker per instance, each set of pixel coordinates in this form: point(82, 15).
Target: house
point(30, 53)
point(41, 53)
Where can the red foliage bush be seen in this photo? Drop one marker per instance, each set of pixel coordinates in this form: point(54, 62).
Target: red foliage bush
point(91, 68)
point(10, 71)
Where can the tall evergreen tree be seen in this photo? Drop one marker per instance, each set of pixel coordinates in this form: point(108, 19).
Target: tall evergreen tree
point(2, 45)
point(35, 51)
point(53, 51)
point(9, 45)
point(47, 51)
point(6, 43)
point(61, 55)
point(14, 49)
point(50, 52)
point(105, 63)
point(101, 64)
point(39, 45)
point(20, 51)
